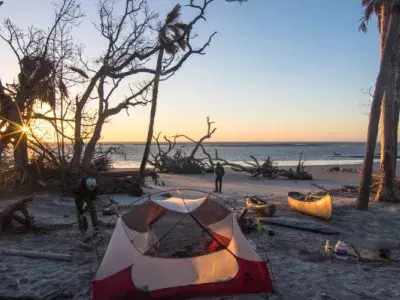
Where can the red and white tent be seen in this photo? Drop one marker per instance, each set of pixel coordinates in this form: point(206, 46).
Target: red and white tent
point(179, 248)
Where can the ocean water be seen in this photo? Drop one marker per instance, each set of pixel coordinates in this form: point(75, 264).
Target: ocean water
point(284, 154)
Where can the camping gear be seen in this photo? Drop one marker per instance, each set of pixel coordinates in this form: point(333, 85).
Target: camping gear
point(341, 250)
point(179, 248)
point(260, 229)
point(320, 207)
point(247, 225)
point(260, 206)
point(294, 223)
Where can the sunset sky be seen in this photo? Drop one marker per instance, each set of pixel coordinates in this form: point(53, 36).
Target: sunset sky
point(276, 71)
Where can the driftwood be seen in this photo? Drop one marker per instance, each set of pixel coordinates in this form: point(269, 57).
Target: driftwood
point(320, 187)
point(268, 169)
point(35, 254)
point(171, 159)
point(9, 213)
point(299, 224)
point(351, 191)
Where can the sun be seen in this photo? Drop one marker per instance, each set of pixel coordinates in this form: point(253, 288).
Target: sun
point(25, 129)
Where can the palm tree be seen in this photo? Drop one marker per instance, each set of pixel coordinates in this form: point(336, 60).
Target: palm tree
point(37, 81)
point(171, 38)
point(389, 50)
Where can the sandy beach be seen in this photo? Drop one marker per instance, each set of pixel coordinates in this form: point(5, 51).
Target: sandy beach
point(297, 259)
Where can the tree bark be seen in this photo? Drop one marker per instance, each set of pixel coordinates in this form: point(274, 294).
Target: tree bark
point(396, 114)
point(21, 151)
point(20, 138)
point(386, 185)
point(78, 146)
point(388, 150)
point(383, 20)
point(152, 115)
point(91, 145)
point(380, 87)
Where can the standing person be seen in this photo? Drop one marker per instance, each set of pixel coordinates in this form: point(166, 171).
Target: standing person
point(219, 173)
point(86, 194)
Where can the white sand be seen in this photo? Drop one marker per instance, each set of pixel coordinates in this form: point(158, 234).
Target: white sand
point(297, 259)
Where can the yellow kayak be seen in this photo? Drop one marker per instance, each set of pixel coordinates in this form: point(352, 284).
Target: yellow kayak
point(260, 207)
point(320, 207)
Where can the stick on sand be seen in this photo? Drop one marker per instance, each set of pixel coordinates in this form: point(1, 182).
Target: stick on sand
point(34, 254)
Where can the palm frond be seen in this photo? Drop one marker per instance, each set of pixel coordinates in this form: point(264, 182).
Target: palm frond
point(46, 92)
point(363, 27)
point(181, 26)
point(79, 71)
point(162, 35)
point(63, 89)
point(170, 48)
point(179, 36)
point(371, 7)
point(173, 15)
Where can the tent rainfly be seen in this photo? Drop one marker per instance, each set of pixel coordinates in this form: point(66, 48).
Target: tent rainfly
point(179, 248)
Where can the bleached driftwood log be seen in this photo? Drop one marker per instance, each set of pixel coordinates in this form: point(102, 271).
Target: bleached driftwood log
point(35, 254)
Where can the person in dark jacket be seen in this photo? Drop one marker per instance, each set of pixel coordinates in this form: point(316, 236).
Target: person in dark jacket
point(219, 173)
point(86, 194)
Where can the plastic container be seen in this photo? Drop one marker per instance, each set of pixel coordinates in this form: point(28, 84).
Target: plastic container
point(341, 250)
point(328, 248)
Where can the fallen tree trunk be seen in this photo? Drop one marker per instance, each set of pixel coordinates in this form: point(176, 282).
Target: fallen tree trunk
point(299, 225)
point(35, 254)
point(268, 169)
point(10, 211)
point(176, 161)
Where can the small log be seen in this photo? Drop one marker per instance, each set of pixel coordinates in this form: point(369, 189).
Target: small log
point(235, 167)
point(8, 213)
point(320, 187)
point(313, 227)
point(35, 254)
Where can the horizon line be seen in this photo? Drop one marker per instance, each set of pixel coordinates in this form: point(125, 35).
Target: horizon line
point(226, 142)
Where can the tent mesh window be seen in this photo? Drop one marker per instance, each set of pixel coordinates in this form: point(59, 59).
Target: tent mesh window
point(182, 235)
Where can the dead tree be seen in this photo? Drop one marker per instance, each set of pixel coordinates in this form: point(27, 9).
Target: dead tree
point(53, 58)
point(269, 169)
point(43, 77)
point(173, 160)
point(132, 46)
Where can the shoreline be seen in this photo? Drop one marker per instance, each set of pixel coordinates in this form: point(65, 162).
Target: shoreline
point(132, 165)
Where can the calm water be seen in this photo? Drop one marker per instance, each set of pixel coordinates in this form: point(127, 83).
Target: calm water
point(285, 154)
